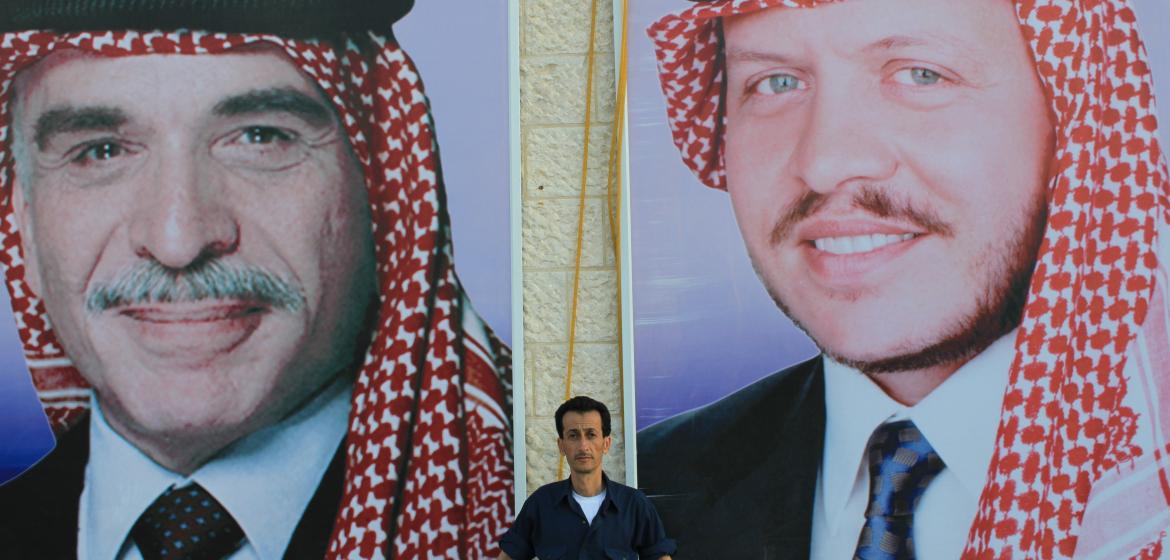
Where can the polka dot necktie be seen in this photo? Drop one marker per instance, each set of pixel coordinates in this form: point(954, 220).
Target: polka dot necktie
point(186, 523)
point(901, 464)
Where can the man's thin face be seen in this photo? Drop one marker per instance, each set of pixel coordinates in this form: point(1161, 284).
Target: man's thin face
point(582, 442)
point(887, 162)
point(199, 232)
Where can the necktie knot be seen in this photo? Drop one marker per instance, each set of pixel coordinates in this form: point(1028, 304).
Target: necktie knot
point(186, 523)
point(901, 464)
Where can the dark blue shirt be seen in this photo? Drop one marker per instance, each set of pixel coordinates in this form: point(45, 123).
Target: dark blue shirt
point(552, 526)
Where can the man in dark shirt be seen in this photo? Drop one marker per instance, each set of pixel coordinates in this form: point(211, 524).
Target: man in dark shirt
point(588, 515)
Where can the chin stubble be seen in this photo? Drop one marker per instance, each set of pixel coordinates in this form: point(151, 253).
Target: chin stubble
point(998, 311)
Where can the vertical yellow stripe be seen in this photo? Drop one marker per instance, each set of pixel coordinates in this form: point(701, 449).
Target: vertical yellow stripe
point(580, 212)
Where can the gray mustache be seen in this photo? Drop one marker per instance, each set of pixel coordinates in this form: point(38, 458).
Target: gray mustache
point(150, 282)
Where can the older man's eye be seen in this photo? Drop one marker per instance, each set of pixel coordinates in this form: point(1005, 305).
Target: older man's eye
point(97, 152)
point(265, 135)
point(261, 148)
point(918, 76)
point(778, 83)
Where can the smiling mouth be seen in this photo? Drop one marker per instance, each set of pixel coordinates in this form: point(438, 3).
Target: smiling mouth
point(179, 313)
point(191, 335)
point(856, 244)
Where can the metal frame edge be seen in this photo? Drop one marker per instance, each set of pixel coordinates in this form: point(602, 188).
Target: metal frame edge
point(515, 175)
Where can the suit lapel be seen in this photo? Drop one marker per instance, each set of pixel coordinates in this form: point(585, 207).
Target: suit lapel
point(38, 509)
point(774, 503)
point(311, 537)
point(794, 466)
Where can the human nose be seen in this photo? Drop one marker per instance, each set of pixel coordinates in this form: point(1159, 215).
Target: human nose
point(843, 141)
point(180, 218)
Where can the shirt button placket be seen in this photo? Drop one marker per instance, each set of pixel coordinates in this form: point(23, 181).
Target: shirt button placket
point(591, 537)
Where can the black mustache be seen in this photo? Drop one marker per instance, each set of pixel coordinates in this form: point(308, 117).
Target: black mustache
point(151, 282)
point(877, 201)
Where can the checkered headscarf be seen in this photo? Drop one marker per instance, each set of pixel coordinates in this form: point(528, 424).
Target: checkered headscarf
point(1081, 466)
point(428, 451)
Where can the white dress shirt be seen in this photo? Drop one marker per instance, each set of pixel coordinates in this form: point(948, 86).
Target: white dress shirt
point(265, 480)
point(959, 419)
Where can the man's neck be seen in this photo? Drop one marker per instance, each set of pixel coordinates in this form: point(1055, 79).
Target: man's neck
point(185, 451)
point(909, 387)
point(587, 484)
point(182, 454)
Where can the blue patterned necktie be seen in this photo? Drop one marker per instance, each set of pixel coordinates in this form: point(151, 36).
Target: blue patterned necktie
point(901, 464)
point(186, 523)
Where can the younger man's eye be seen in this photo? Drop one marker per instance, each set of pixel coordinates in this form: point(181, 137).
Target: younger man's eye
point(918, 76)
point(777, 84)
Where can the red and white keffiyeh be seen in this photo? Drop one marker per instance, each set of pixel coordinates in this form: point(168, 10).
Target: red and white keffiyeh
point(1081, 467)
point(429, 460)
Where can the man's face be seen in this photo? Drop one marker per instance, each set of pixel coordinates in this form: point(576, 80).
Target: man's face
point(199, 232)
point(582, 442)
point(887, 166)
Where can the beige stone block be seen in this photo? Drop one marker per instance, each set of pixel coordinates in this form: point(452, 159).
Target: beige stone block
point(562, 27)
point(550, 233)
point(604, 89)
point(597, 316)
point(611, 219)
point(546, 309)
point(548, 372)
point(615, 463)
point(542, 454)
point(553, 165)
point(552, 90)
point(595, 374)
point(529, 383)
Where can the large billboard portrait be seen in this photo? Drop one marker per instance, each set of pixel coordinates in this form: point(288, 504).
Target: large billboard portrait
point(899, 275)
point(264, 317)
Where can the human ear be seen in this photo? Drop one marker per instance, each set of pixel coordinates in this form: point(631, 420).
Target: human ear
point(22, 214)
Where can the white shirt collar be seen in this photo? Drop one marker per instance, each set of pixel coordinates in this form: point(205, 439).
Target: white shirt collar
point(959, 419)
point(121, 481)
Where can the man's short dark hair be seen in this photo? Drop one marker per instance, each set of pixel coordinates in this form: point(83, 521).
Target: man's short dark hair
point(582, 404)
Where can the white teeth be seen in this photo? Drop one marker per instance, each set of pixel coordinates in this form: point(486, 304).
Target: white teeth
point(858, 243)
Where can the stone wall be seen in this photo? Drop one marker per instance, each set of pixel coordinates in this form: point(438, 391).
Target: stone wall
point(554, 42)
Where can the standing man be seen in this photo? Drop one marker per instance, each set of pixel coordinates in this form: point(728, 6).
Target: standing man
point(227, 220)
point(964, 205)
point(588, 515)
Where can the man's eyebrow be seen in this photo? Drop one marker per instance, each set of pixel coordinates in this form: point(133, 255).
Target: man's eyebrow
point(275, 100)
point(895, 42)
point(885, 44)
point(63, 120)
point(741, 55)
point(949, 45)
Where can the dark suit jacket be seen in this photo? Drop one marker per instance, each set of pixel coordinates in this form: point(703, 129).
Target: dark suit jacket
point(39, 509)
point(737, 478)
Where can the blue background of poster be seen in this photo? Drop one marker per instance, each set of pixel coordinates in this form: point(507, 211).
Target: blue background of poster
point(464, 64)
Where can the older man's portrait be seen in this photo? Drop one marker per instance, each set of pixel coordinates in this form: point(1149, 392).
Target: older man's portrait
point(919, 310)
point(230, 259)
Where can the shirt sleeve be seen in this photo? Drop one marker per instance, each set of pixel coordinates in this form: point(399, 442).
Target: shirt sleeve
point(517, 541)
point(650, 537)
